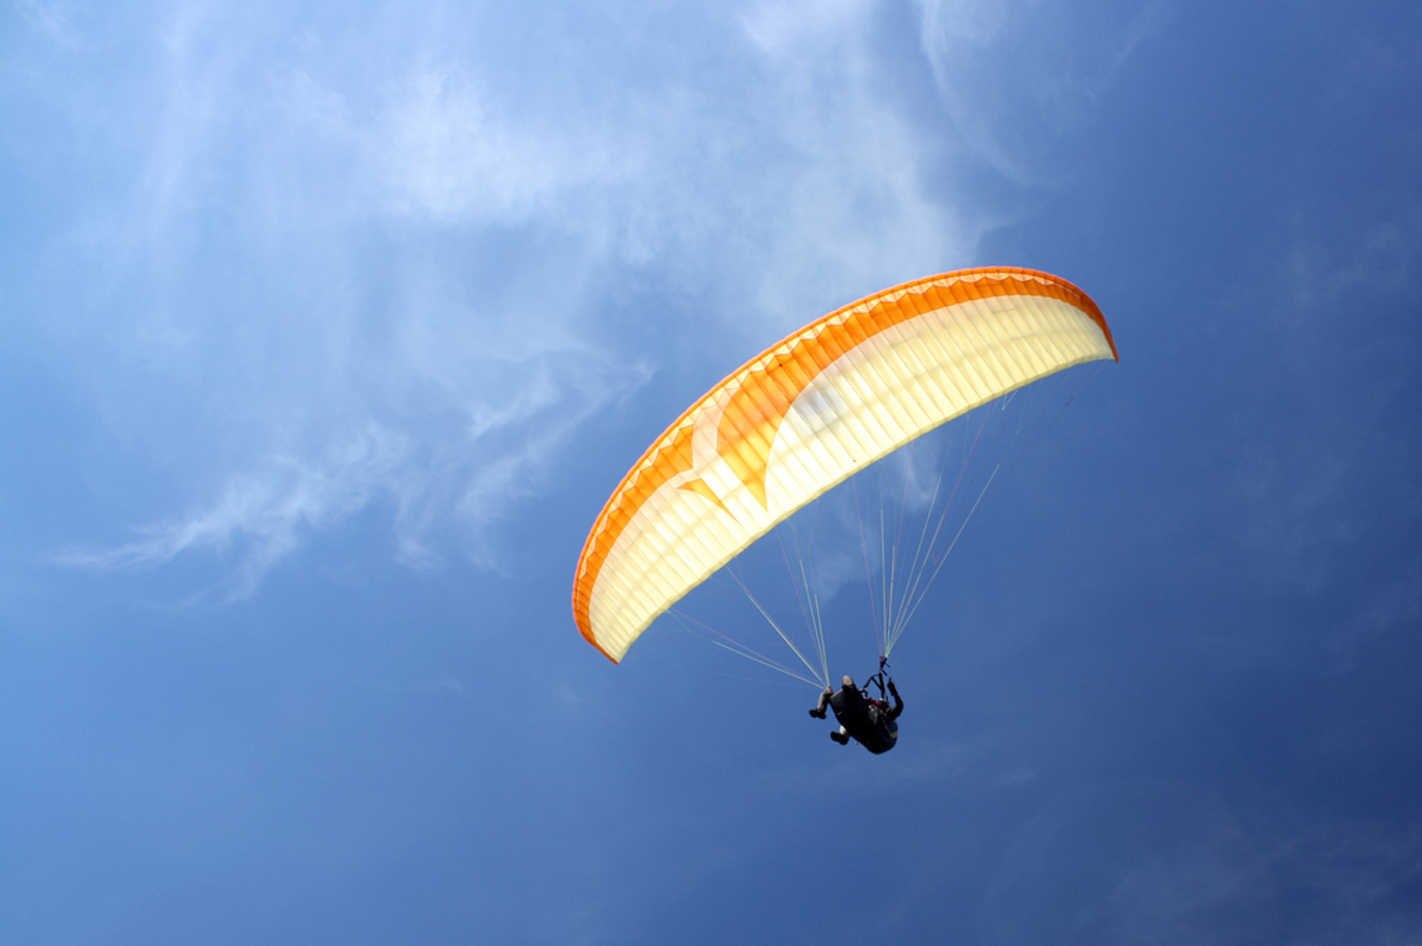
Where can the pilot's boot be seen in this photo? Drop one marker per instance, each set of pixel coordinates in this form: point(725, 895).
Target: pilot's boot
point(840, 738)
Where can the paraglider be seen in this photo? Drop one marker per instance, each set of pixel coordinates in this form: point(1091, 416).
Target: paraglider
point(809, 412)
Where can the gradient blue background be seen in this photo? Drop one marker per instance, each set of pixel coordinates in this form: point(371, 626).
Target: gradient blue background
point(328, 328)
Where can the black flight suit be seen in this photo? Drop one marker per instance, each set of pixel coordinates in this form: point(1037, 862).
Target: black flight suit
point(869, 722)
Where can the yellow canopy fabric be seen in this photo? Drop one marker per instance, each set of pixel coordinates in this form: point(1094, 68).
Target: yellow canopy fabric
point(811, 411)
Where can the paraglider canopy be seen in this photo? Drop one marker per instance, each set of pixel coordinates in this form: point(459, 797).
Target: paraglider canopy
point(810, 411)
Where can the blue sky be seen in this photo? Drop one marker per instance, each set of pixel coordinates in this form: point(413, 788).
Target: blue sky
point(328, 329)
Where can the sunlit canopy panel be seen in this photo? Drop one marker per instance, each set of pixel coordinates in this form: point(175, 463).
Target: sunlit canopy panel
point(809, 412)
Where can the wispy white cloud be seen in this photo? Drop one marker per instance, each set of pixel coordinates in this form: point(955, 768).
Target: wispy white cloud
point(446, 155)
point(387, 259)
point(1017, 77)
point(1347, 386)
point(266, 510)
point(50, 19)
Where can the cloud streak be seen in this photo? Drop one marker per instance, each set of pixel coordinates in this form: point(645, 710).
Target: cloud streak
point(1018, 77)
point(342, 263)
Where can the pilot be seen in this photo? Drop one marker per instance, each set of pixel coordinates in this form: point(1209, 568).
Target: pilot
point(871, 723)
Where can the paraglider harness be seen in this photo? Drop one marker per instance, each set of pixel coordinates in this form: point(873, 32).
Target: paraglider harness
point(881, 681)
